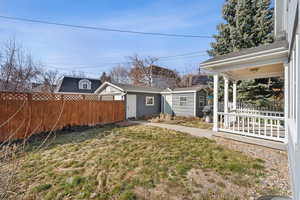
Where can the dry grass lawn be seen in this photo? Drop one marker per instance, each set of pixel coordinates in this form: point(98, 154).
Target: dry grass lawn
point(194, 122)
point(137, 162)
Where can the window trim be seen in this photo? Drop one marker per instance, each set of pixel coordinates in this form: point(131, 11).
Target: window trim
point(202, 99)
point(86, 82)
point(84, 86)
point(149, 97)
point(185, 102)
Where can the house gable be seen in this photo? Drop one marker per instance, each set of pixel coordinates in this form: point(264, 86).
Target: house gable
point(109, 89)
point(77, 85)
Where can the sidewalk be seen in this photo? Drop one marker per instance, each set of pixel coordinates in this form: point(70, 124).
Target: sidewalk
point(197, 132)
point(192, 131)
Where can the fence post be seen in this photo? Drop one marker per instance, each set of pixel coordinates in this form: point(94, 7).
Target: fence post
point(29, 102)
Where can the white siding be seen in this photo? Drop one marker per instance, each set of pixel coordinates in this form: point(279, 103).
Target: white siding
point(293, 103)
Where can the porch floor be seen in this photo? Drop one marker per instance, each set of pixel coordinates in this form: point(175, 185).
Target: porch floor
point(251, 140)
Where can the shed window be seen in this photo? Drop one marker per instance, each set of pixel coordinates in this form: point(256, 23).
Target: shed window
point(149, 101)
point(183, 101)
point(202, 101)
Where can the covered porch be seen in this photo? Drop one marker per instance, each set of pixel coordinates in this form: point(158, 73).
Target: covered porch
point(237, 118)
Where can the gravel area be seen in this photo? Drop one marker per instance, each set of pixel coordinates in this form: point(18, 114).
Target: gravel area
point(277, 180)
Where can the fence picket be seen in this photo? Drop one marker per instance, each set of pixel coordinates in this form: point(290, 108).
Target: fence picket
point(42, 112)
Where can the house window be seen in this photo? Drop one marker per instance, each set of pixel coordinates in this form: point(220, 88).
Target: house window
point(183, 101)
point(202, 101)
point(84, 84)
point(150, 101)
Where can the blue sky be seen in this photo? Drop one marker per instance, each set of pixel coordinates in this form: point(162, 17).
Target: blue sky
point(94, 51)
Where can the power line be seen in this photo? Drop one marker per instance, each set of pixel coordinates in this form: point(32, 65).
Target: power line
point(163, 59)
point(186, 57)
point(103, 29)
point(185, 54)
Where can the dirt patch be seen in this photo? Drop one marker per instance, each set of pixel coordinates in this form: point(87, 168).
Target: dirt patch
point(277, 179)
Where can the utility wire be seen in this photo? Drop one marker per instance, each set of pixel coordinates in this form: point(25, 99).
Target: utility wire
point(103, 29)
point(185, 54)
point(163, 58)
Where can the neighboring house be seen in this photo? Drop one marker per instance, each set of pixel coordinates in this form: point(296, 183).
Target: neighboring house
point(184, 101)
point(280, 59)
point(140, 101)
point(154, 76)
point(77, 85)
point(162, 77)
point(148, 101)
point(191, 80)
point(39, 87)
point(14, 86)
point(6, 86)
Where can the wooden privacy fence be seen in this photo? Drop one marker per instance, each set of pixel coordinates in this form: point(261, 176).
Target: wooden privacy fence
point(24, 114)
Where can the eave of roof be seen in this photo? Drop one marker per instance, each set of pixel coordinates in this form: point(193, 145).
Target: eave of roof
point(185, 90)
point(280, 46)
point(130, 88)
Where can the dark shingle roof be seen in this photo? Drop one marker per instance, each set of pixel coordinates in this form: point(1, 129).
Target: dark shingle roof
point(276, 44)
point(201, 79)
point(70, 85)
point(135, 88)
point(195, 88)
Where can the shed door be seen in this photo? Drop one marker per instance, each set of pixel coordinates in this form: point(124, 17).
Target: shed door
point(168, 104)
point(131, 106)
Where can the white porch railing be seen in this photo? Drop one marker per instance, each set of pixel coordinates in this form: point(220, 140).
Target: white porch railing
point(265, 124)
point(260, 112)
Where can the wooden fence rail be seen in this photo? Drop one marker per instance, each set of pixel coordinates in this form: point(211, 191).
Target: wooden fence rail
point(24, 114)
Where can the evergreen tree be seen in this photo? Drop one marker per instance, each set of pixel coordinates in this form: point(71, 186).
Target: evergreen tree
point(249, 23)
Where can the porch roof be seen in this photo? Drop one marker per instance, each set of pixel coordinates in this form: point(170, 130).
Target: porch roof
point(259, 62)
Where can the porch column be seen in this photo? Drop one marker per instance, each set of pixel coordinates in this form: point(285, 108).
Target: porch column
point(234, 95)
point(286, 99)
point(216, 87)
point(226, 81)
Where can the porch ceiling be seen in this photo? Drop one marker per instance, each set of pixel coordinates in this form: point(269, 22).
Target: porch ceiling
point(266, 71)
point(260, 62)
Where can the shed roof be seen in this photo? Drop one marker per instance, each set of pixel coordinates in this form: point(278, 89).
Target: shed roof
point(129, 88)
point(195, 88)
point(135, 88)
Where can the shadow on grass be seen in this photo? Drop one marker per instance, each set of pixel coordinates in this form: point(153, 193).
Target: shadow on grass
point(67, 135)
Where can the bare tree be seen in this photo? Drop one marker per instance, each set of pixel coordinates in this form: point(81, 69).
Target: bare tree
point(120, 74)
point(49, 80)
point(17, 68)
point(76, 74)
point(141, 73)
point(105, 77)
